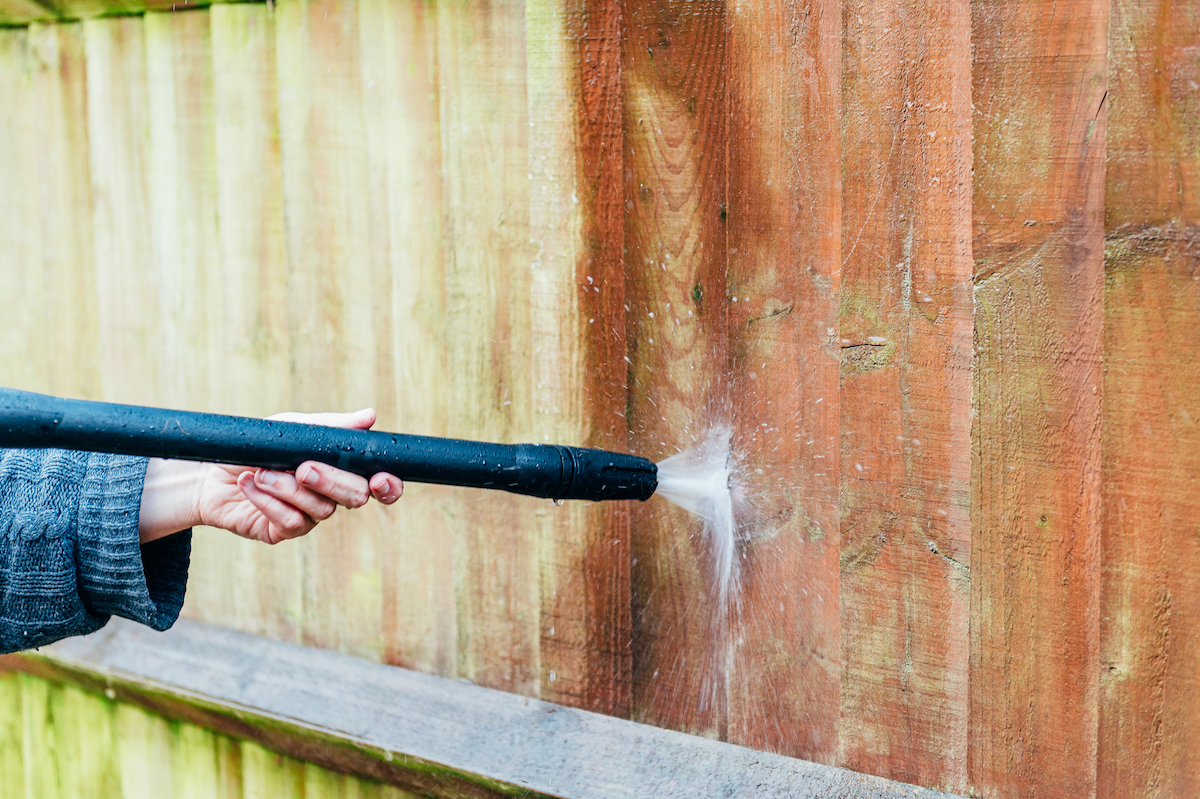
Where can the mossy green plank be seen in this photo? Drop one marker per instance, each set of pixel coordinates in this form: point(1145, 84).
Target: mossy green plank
point(268, 775)
point(145, 753)
point(194, 766)
point(12, 734)
point(39, 741)
point(86, 752)
point(22, 12)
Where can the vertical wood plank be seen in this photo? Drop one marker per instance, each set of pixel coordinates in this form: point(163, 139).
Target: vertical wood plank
point(194, 763)
point(144, 753)
point(70, 330)
point(1039, 85)
point(675, 128)
point(577, 321)
point(576, 217)
point(19, 231)
point(784, 221)
point(905, 409)
point(1150, 606)
point(12, 721)
point(247, 312)
point(126, 283)
point(39, 743)
point(332, 303)
point(485, 155)
point(181, 176)
point(401, 113)
point(266, 775)
point(84, 728)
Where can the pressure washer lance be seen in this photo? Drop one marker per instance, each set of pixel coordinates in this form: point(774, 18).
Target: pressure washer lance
point(36, 421)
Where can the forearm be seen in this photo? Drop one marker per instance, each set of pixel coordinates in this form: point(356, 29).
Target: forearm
point(170, 498)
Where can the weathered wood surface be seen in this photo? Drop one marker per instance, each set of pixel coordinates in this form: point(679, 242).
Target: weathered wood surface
point(1150, 605)
point(675, 183)
point(866, 236)
point(1039, 83)
point(905, 401)
point(784, 220)
point(436, 736)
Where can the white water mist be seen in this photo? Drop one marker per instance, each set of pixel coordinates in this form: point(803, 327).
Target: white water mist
point(699, 480)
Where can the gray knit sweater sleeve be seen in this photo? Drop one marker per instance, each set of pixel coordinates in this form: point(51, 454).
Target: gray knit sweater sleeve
point(69, 551)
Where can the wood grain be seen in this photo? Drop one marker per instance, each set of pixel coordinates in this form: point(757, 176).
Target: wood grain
point(337, 313)
point(18, 228)
point(906, 391)
point(1149, 711)
point(675, 119)
point(784, 240)
point(578, 327)
point(246, 313)
point(182, 190)
point(61, 204)
point(489, 345)
point(403, 147)
point(1035, 532)
point(127, 288)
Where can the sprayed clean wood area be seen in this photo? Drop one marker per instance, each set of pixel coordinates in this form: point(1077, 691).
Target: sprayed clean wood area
point(934, 265)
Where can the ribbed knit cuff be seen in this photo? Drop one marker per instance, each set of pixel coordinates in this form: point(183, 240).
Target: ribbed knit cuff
point(117, 576)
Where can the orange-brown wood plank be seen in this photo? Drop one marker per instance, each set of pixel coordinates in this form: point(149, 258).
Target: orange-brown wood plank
point(784, 268)
point(489, 252)
point(1039, 82)
point(579, 368)
point(675, 121)
point(1150, 596)
point(905, 339)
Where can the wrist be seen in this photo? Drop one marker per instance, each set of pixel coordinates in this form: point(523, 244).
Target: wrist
point(170, 498)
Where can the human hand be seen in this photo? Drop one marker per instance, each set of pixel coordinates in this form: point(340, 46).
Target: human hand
point(260, 504)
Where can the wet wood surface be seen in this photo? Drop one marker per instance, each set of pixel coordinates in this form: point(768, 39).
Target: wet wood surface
point(889, 246)
point(782, 258)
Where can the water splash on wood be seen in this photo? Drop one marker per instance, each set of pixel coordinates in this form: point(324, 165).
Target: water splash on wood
point(701, 481)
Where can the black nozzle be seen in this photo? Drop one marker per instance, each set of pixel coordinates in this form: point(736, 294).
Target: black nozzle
point(539, 470)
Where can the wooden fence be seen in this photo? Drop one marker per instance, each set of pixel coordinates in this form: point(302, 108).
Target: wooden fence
point(936, 264)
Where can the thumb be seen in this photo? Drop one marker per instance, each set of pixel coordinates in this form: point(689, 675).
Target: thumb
point(358, 420)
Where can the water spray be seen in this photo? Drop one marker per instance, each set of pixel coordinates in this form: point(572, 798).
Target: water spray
point(37, 421)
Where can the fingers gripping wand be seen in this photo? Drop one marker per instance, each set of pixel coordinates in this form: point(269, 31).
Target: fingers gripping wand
point(29, 420)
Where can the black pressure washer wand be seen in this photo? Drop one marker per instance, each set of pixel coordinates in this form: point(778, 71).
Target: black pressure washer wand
point(29, 420)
